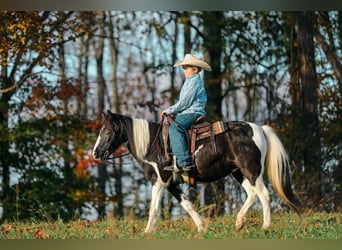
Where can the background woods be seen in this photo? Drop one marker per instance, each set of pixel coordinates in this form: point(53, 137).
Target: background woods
point(60, 70)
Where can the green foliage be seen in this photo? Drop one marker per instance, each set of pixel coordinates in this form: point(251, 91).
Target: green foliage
point(37, 151)
point(48, 181)
point(284, 226)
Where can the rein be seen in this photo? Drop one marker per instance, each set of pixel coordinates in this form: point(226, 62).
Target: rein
point(111, 160)
point(149, 151)
point(170, 119)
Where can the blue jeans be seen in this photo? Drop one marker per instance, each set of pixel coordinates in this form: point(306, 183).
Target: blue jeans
point(178, 138)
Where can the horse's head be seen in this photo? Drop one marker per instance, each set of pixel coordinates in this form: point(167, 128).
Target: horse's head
point(110, 137)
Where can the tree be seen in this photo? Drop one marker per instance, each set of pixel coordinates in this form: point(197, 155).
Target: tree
point(101, 86)
point(213, 43)
point(30, 119)
point(23, 33)
point(305, 22)
point(115, 104)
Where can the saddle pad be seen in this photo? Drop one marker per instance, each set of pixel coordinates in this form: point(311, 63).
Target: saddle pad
point(219, 127)
point(216, 128)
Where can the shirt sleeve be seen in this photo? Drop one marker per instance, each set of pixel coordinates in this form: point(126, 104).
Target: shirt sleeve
point(186, 97)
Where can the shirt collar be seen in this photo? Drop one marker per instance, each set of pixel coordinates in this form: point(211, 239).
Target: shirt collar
point(193, 76)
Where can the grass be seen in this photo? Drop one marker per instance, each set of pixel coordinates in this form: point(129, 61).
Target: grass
point(284, 226)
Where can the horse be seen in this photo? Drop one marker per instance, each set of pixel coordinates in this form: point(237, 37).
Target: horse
point(244, 150)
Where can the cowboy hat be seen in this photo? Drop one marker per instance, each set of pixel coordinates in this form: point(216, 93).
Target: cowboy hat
point(193, 60)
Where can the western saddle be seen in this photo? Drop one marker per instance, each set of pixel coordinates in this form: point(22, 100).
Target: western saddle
point(199, 130)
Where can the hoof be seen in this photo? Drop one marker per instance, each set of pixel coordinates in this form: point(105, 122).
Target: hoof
point(201, 229)
point(239, 223)
point(266, 226)
point(148, 231)
point(238, 226)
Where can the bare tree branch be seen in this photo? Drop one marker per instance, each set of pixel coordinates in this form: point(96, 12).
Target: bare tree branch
point(336, 65)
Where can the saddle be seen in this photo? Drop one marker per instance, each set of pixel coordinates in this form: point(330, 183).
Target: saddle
point(199, 130)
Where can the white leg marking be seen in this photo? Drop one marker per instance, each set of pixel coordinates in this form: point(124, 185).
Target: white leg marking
point(155, 167)
point(187, 205)
point(260, 188)
point(157, 191)
point(264, 197)
point(250, 190)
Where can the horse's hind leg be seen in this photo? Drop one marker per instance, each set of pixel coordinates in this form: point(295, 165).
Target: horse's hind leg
point(264, 197)
point(187, 205)
point(251, 193)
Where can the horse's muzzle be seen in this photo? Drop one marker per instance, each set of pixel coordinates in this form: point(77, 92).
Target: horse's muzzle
point(96, 155)
point(101, 157)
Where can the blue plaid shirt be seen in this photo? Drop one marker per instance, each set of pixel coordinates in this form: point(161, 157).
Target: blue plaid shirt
point(192, 97)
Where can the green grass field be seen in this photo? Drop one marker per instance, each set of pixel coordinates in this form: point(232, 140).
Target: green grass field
point(284, 226)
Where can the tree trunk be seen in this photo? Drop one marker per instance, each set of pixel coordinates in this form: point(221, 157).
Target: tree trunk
point(212, 34)
point(174, 58)
point(5, 155)
point(79, 78)
point(61, 64)
point(119, 211)
point(187, 33)
point(102, 169)
point(330, 54)
point(310, 123)
point(84, 105)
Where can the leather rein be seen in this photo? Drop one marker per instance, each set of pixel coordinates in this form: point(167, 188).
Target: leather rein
point(111, 160)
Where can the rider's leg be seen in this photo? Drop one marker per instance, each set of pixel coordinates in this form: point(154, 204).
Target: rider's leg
point(178, 138)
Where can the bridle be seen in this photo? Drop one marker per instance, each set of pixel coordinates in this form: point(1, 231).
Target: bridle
point(108, 159)
point(111, 160)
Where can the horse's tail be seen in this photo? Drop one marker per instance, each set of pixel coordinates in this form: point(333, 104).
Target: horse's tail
point(278, 169)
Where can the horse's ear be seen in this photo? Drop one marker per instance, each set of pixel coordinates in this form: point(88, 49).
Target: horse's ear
point(109, 115)
point(106, 116)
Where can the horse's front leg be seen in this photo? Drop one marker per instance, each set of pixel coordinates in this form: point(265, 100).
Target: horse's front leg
point(157, 192)
point(187, 205)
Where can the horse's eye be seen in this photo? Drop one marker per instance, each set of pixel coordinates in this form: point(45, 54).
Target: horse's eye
point(116, 127)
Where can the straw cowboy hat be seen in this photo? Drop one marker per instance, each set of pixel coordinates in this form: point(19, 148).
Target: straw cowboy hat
point(193, 60)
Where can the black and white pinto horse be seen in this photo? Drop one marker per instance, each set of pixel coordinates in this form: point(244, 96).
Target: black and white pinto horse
point(244, 151)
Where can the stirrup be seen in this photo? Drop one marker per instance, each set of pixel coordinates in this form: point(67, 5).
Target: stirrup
point(187, 168)
point(172, 168)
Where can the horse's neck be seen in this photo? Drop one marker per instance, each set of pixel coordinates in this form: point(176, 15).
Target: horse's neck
point(140, 139)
